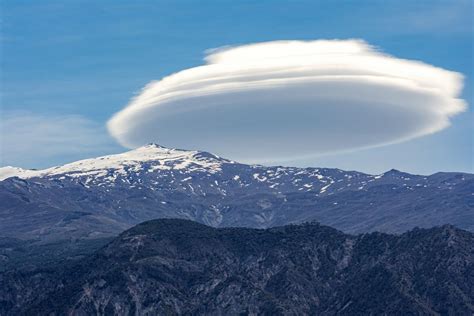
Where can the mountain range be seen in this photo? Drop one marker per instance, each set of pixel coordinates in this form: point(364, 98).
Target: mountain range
point(180, 267)
point(101, 197)
point(168, 231)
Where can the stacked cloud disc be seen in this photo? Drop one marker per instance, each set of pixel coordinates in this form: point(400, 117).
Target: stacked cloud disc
point(291, 99)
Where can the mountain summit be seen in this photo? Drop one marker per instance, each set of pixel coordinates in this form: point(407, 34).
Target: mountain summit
point(152, 155)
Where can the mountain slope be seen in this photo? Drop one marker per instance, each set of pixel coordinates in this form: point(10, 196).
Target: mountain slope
point(101, 197)
point(182, 267)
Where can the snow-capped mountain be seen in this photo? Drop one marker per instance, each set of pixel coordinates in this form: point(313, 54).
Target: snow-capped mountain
point(154, 156)
point(158, 161)
point(105, 195)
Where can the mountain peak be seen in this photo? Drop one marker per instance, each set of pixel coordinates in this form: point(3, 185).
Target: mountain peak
point(155, 145)
point(151, 152)
point(161, 150)
point(150, 157)
point(397, 173)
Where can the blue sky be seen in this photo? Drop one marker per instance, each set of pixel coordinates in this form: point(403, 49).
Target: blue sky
point(84, 60)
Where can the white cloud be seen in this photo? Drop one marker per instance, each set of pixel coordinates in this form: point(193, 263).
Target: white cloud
point(32, 140)
point(291, 99)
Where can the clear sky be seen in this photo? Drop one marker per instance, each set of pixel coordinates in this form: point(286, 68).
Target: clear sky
point(67, 66)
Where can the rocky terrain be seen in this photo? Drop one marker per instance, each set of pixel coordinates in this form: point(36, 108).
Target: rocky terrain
point(170, 267)
point(101, 197)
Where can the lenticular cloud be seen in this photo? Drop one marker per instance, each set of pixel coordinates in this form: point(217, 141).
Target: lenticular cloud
point(291, 99)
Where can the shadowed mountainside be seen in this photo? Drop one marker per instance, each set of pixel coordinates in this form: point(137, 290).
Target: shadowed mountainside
point(172, 266)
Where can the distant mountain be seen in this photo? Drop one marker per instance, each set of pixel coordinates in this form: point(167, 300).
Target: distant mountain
point(170, 267)
point(102, 197)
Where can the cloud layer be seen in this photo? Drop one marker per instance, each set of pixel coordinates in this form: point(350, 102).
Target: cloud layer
point(36, 141)
point(291, 99)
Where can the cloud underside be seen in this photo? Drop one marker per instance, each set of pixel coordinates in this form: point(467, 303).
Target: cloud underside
point(291, 99)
